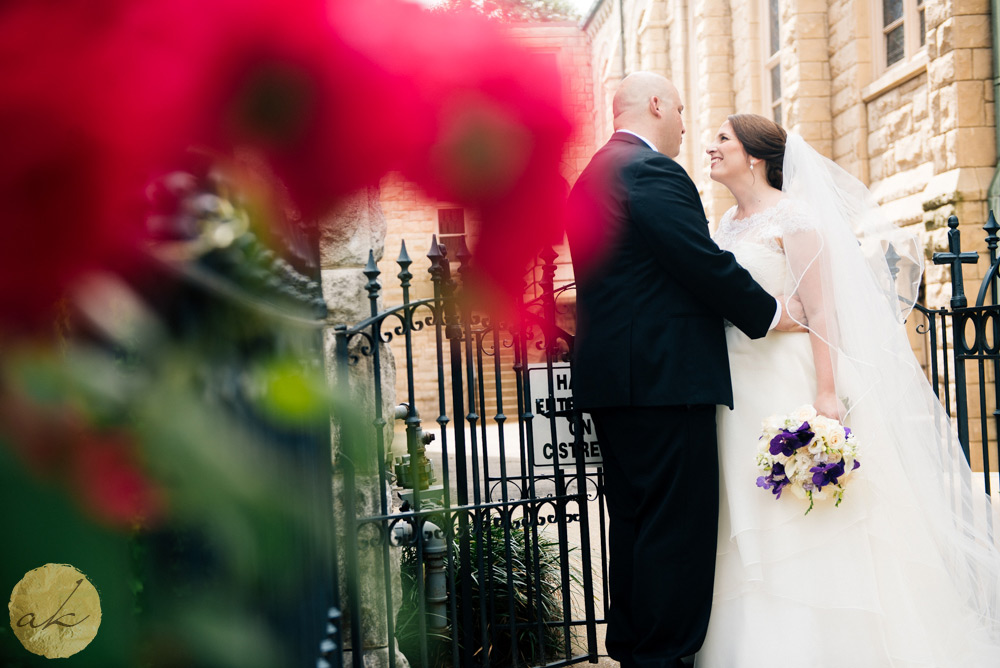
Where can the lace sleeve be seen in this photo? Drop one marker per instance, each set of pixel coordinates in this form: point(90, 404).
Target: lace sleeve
point(723, 235)
point(796, 216)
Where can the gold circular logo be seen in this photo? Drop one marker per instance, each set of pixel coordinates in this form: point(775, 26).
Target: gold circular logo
point(55, 611)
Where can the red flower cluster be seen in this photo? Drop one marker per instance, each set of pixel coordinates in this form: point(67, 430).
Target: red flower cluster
point(101, 468)
point(100, 96)
point(490, 121)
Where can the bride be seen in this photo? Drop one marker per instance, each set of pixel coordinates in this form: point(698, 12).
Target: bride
point(906, 571)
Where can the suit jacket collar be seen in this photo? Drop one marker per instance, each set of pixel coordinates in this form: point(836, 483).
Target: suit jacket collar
point(631, 138)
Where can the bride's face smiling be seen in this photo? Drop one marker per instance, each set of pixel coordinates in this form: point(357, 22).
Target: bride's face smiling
point(728, 159)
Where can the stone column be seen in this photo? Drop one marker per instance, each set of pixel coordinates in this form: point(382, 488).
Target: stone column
point(748, 52)
point(850, 71)
point(713, 40)
point(347, 236)
point(653, 40)
point(805, 72)
point(604, 35)
point(683, 72)
point(962, 140)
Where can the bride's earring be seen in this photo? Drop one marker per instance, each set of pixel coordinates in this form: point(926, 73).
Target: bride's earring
point(751, 165)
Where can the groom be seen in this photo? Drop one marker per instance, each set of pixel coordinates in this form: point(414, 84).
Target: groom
point(650, 365)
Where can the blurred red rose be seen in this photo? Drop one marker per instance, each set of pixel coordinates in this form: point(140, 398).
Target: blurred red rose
point(97, 101)
point(111, 485)
point(100, 96)
point(493, 119)
point(281, 79)
point(99, 468)
point(63, 184)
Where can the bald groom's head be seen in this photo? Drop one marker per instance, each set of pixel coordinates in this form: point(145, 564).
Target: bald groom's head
point(648, 104)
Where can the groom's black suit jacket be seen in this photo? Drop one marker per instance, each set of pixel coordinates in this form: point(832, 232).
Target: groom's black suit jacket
point(653, 289)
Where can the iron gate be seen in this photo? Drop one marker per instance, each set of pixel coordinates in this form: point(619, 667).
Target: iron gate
point(961, 337)
point(499, 557)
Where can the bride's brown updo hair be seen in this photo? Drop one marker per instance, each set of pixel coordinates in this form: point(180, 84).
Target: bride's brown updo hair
point(763, 139)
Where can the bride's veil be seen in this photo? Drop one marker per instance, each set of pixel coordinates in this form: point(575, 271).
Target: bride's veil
point(858, 275)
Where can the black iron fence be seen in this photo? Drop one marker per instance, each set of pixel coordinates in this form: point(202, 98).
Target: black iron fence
point(964, 351)
point(497, 521)
point(498, 526)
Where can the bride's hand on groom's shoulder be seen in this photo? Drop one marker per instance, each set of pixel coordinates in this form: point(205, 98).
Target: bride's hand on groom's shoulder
point(793, 316)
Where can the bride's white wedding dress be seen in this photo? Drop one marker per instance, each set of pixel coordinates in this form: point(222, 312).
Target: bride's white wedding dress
point(863, 585)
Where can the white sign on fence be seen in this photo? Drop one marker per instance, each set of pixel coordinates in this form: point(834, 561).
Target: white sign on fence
point(541, 426)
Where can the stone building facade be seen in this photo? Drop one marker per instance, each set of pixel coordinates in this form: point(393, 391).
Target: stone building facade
point(899, 93)
point(919, 131)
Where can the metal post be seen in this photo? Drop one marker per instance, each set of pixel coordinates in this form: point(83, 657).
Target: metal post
point(551, 345)
point(464, 257)
point(956, 258)
point(453, 332)
point(440, 273)
point(346, 464)
point(991, 227)
point(371, 272)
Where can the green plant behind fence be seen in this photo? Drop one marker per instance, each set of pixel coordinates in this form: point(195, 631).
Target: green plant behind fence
point(494, 591)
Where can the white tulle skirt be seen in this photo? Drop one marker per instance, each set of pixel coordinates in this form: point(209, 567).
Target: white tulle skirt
point(860, 585)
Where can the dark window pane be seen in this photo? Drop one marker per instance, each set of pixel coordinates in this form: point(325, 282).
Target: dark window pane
point(891, 10)
point(894, 46)
point(775, 22)
point(453, 242)
point(776, 83)
point(451, 221)
point(777, 113)
point(923, 30)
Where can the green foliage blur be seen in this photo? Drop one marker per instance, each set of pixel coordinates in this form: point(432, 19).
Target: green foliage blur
point(173, 443)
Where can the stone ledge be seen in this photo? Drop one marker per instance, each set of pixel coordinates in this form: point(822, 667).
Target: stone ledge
point(896, 76)
point(903, 184)
point(957, 185)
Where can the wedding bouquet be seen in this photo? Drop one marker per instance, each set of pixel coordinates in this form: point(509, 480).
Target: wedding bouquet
point(809, 454)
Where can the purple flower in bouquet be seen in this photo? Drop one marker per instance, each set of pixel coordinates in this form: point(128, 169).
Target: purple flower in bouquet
point(787, 442)
point(814, 459)
point(775, 481)
point(826, 474)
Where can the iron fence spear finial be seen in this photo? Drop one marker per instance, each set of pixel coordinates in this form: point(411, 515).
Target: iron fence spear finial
point(992, 227)
point(404, 263)
point(464, 257)
point(371, 270)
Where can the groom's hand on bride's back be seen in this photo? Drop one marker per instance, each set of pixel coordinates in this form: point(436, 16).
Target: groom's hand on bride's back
point(793, 316)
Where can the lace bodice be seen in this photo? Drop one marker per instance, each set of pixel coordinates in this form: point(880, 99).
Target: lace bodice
point(756, 240)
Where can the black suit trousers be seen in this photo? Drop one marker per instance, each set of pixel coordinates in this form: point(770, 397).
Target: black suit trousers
point(661, 467)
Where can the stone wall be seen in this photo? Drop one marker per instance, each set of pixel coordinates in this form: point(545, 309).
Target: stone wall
point(347, 236)
point(920, 134)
